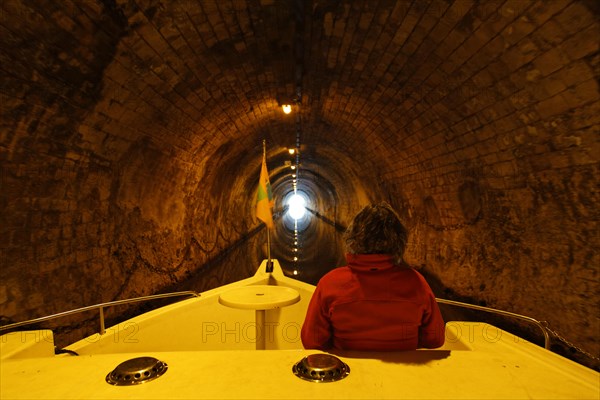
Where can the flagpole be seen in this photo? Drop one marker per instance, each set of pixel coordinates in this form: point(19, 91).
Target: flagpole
point(269, 262)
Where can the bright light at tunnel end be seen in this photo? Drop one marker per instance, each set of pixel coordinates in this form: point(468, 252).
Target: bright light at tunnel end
point(296, 206)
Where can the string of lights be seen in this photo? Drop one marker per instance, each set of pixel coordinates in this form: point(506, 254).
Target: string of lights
point(295, 178)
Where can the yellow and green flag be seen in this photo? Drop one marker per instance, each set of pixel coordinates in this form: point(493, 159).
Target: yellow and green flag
point(264, 197)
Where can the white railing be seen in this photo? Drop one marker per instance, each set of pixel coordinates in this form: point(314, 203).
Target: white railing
point(100, 307)
point(540, 324)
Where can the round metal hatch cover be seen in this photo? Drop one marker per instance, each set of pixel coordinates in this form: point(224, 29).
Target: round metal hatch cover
point(136, 371)
point(321, 368)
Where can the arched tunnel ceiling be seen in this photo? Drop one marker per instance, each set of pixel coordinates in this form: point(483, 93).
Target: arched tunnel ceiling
point(381, 81)
point(132, 139)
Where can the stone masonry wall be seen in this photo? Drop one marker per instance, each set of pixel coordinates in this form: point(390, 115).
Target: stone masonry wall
point(131, 133)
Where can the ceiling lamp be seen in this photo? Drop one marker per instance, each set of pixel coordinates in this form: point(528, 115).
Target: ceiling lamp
point(287, 108)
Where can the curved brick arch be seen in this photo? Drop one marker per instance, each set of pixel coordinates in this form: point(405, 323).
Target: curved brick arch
point(131, 139)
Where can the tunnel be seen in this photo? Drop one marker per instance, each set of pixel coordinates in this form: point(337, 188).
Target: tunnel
point(132, 137)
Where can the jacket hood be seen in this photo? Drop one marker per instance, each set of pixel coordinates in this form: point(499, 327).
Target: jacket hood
point(369, 262)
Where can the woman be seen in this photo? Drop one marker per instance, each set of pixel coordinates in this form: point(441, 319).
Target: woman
point(376, 302)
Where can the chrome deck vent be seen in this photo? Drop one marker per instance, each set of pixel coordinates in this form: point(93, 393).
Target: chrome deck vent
point(136, 371)
point(321, 368)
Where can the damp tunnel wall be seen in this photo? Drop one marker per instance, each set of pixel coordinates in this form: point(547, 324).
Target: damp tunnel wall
point(131, 141)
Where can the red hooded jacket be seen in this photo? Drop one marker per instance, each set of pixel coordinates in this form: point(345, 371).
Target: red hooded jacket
point(372, 304)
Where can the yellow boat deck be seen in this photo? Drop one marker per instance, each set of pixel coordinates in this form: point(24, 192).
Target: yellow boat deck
point(210, 353)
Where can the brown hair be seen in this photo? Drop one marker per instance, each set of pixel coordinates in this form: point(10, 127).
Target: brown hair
point(377, 229)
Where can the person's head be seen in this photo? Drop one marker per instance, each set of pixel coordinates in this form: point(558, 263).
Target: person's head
point(377, 229)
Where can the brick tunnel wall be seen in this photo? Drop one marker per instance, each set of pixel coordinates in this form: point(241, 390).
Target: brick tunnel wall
point(131, 143)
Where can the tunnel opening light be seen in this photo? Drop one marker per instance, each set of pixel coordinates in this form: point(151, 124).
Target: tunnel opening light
point(296, 205)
